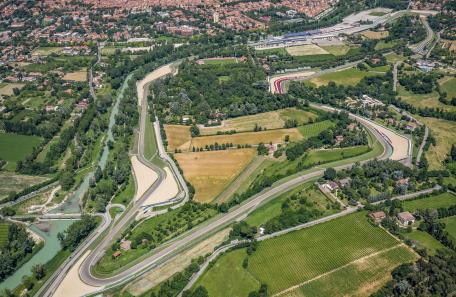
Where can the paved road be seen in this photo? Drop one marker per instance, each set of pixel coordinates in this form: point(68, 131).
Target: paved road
point(412, 195)
point(421, 47)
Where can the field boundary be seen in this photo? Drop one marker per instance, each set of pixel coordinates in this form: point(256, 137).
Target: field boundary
point(339, 268)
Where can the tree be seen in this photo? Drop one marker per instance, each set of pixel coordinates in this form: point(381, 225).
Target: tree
point(194, 131)
point(66, 180)
point(38, 271)
point(330, 174)
point(262, 149)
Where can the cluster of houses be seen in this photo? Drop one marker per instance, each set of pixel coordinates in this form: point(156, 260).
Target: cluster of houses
point(330, 186)
point(404, 218)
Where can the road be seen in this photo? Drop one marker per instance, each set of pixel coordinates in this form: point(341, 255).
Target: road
point(422, 47)
point(275, 82)
point(412, 195)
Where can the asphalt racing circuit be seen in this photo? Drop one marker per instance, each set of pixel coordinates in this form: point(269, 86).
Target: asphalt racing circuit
point(78, 268)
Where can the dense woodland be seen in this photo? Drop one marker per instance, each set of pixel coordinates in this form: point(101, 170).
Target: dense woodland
point(378, 180)
point(77, 232)
point(19, 246)
point(215, 92)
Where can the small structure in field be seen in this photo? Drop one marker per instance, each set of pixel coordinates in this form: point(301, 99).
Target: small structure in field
point(405, 218)
point(116, 254)
point(125, 245)
point(344, 182)
point(377, 216)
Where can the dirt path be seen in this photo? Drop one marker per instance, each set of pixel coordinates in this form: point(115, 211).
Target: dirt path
point(235, 184)
point(360, 260)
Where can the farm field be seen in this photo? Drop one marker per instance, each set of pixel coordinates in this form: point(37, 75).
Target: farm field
point(273, 208)
point(11, 182)
point(393, 57)
point(314, 129)
point(269, 120)
point(443, 132)
point(430, 100)
point(336, 50)
point(437, 201)
point(80, 75)
point(350, 76)
point(424, 240)
point(219, 61)
point(314, 157)
point(383, 45)
point(3, 233)
point(251, 138)
point(375, 35)
point(448, 85)
point(360, 278)
point(46, 50)
point(16, 147)
point(294, 258)
point(450, 226)
point(178, 136)
point(7, 89)
point(306, 50)
point(211, 172)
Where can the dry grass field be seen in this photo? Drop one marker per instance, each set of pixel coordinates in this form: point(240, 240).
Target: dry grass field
point(269, 120)
point(178, 136)
point(46, 51)
point(8, 88)
point(453, 46)
point(211, 172)
point(336, 49)
point(16, 182)
point(80, 75)
point(430, 100)
point(306, 50)
point(443, 131)
point(252, 138)
point(375, 35)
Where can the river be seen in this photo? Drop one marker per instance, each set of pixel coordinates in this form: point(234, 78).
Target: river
point(48, 230)
point(71, 205)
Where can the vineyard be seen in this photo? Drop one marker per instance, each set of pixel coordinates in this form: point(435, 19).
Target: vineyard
point(335, 251)
point(296, 257)
point(360, 278)
point(3, 233)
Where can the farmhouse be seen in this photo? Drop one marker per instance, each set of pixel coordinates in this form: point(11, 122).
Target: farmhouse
point(403, 182)
point(377, 216)
point(330, 186)
point(405, 218)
